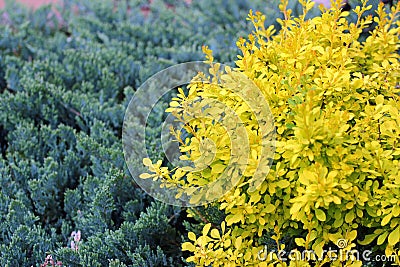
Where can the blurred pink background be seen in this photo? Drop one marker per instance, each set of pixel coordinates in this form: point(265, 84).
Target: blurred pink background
point(37, 3)
point(30, 3)
point(326, 3)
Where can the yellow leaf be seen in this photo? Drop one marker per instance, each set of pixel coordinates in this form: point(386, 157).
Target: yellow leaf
point(283, 184)
point(145, 176)
point(300, 242)
point(379, 99)
point(396, 211)
point(309, 70)
point(357, 83)
point(147, 162)
point(218, 168)
point(320, 215)
point(349, 217)
point(382, 238)
point(356, 264)
point(368, 239)
point(206, 228)
point(318, 48)
point(191, 259)
point(269, 208)
point(295, 208)
point(305, 176)
point(192, 236)
point(394, 236)
point(352, 235)
point(227, 243)
point(215, 234)
point(196, 198)
point(174, 104)
point(188, 246)
point(238, 242)
point(233, 218)
point(255, 197)
point(273, 67)
point(318, 248)
point(386, 219)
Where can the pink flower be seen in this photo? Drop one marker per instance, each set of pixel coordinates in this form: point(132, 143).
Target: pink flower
point(326, 3)
point(145, 10)
point(76, 236)
point(73, 245)
point(50, 262)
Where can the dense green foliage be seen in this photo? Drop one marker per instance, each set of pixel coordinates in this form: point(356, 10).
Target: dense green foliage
point(65, 80)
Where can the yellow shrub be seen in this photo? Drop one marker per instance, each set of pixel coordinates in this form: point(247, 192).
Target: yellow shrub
point(336, 169)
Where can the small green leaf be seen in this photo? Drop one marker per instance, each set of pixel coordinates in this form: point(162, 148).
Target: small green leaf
point(368, 239)
point(349, 217)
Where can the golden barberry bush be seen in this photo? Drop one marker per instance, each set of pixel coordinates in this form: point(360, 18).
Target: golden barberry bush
point(335, 175)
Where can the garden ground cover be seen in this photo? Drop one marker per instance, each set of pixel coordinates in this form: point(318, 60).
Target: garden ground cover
point(65, 81)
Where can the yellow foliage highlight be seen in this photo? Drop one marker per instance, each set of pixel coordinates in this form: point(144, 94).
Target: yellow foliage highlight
point(336, 170)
